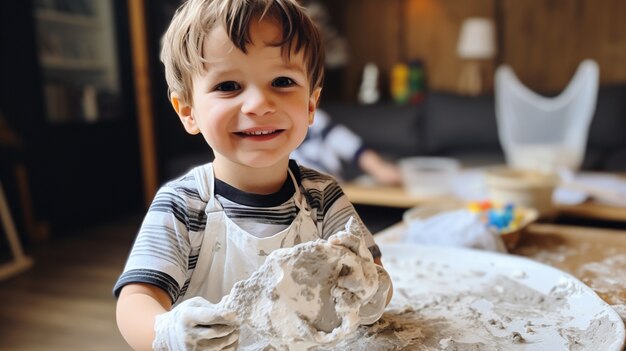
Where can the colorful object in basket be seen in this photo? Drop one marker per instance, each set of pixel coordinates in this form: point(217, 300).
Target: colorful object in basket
point(501, 219)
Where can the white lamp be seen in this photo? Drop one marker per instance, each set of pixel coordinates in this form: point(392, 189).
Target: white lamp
point(476, 42)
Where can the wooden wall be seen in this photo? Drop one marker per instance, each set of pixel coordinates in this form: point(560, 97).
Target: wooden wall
point(373, 33)
point(432, 31)
point(543, 40)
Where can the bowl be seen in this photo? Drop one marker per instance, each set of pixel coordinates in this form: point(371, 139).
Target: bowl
point(511, 236)
point(428, 177)
point(525, 188)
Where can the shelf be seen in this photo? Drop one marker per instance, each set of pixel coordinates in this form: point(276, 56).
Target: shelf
point(65, 64)
point(66, 18)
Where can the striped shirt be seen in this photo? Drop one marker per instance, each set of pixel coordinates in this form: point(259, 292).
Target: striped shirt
point(166, 249)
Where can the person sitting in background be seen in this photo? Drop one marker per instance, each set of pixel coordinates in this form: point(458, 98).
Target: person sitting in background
point(328, 147)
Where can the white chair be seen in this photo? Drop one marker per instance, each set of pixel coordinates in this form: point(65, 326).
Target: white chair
point(545, 133)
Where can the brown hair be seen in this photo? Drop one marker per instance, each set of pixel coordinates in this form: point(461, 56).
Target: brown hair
point(181, 51)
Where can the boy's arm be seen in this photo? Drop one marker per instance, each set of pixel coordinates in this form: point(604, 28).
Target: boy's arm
point(147, 321)
point(137, 306)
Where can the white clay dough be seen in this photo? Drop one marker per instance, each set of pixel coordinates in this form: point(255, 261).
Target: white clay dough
point(315, 293)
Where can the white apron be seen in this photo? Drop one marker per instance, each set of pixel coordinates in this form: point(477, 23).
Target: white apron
point(228, 253)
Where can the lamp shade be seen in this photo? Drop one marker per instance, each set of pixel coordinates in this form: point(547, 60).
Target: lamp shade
point(477, 39)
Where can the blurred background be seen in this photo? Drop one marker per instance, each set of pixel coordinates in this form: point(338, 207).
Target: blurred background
point(87, 133)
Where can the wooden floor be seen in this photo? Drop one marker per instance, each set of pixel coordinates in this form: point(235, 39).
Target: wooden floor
point(64, 302)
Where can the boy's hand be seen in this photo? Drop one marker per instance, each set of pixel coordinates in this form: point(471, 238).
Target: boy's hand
point(357, 276)
point(352, 239)
point(374, 308)
point(347, 240)
point(196, 324)
point(367, 281)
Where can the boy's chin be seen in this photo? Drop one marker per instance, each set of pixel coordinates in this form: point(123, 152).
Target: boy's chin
point(261, 162)
point(268, 163)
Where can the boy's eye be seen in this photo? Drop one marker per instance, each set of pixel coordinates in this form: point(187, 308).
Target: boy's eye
point(283, 82)
point(228, 86)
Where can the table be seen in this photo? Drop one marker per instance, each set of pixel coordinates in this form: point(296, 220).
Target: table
point(595, 256)
point(396, 196)
point(384, 195)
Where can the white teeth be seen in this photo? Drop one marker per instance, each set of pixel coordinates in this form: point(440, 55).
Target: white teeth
point(259, 132)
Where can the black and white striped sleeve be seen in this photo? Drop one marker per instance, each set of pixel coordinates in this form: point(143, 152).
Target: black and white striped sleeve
point(162, 248)
point(333, 207)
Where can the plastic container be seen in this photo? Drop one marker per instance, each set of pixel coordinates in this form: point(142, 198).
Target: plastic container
point(545, 133)
point(530, 189)
point(428, 177)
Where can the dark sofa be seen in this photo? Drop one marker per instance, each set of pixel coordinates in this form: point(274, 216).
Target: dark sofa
point(465, 128)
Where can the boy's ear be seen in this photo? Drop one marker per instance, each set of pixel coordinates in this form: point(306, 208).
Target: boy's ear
point(313, 100)
point(183, 110)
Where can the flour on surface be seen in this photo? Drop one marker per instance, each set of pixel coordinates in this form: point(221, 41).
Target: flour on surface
point(608, 278)
point(448, 303)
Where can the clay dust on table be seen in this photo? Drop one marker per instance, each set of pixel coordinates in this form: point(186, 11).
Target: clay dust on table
point(434, 308)
point(606, 276)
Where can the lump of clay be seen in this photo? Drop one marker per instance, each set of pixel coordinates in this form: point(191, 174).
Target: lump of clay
point(315, 293)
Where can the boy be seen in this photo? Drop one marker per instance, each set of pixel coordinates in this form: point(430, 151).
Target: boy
point(246, 75)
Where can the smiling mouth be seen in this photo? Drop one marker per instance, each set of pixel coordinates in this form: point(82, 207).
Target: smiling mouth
point(257, 133)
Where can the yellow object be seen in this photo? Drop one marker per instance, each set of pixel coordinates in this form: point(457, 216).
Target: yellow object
point(400, 83)
point(474, 207)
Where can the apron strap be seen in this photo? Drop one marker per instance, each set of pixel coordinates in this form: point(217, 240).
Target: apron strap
point(203, 264)
point(206, 183)
point(299, 198)
point(302, 204)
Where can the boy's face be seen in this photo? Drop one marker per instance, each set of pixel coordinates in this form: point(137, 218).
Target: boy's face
point(252, 109)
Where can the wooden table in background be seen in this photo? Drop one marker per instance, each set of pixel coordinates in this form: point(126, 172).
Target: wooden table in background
point(396, 196)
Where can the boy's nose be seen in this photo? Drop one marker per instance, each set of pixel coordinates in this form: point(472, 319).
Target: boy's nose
point(257, 102)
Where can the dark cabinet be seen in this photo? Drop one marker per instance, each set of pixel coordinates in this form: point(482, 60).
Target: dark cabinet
point(67, 90)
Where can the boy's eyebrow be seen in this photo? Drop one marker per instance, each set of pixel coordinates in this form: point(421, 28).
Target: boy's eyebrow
point(213, 72)
point(292, 67)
